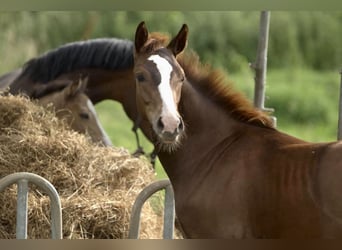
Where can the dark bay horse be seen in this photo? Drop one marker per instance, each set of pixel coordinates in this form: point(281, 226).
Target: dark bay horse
point(233, 174)
point(106, 62)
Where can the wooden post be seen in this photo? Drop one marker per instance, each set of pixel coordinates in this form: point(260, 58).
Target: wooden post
point(339, 129)
point(260, 64)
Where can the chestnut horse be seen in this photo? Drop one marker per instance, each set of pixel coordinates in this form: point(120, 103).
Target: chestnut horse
point(233, 174)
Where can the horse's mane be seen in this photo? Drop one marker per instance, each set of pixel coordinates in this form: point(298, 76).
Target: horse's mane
point(213, 84)
point(104, 53)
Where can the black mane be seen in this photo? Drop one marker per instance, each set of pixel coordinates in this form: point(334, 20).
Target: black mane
point(104, 53)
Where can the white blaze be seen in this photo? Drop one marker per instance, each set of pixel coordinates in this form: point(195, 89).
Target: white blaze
point(165, 69)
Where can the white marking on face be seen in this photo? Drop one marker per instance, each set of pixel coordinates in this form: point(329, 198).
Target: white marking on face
point(105, 137)
point(165, 70)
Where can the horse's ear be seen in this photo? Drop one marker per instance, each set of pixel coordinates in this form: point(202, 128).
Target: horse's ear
point(178, 43)
point(83, 82)
point(141, 36)
point(77, 87)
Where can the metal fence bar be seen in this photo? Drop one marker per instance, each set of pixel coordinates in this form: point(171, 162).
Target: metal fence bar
point(169, 213)
point(169, 209)
point(22, 179)
point(260, 65)
point(21, 223)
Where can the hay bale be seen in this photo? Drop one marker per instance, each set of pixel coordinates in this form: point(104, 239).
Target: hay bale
point(97, 185)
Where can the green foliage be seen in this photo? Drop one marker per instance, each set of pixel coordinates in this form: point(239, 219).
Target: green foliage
point(224, 39)
point(311, 39)
point(221, 41)
point(305, 101)
point(283, 43)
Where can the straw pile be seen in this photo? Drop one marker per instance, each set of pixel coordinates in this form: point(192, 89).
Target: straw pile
point(97, 185)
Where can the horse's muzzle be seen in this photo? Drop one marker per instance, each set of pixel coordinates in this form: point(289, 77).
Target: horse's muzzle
point(169, 133)
point(168, 137)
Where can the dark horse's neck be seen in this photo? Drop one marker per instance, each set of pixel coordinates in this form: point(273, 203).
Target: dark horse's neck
point(117, 85)
point(39, 73)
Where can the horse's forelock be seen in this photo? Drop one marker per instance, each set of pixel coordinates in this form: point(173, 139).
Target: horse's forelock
point(154, 42)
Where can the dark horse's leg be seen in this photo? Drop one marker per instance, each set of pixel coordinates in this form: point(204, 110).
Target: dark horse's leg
point(140, 151)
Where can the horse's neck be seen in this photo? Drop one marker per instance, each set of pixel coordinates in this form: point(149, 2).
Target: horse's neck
point(206, 126)
point(22, 85)
point(117, 85)
point(113, 85)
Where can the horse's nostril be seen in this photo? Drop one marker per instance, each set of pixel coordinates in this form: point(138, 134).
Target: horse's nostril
point(160, 124)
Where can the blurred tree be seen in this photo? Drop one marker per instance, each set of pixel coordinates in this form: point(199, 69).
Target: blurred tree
point(223, 39)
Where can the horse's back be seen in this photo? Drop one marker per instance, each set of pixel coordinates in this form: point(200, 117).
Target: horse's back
point(314, 182)
point(295, 187)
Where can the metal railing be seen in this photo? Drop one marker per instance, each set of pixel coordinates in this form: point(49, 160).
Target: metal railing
point(169, 209)
point(22, 179)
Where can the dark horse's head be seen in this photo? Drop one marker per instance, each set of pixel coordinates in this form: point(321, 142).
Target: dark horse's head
point(159, 80)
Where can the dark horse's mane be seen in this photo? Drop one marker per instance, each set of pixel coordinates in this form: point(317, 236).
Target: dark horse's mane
point(104, 53)
point(213, 84)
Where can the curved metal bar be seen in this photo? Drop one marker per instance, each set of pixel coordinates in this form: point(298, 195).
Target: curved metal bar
point(56, 211)
point(169, 208)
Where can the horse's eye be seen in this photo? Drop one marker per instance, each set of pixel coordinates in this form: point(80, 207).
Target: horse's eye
point(140, 77)
point(84, 115)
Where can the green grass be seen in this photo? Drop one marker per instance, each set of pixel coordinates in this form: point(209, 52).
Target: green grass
point(305, 103)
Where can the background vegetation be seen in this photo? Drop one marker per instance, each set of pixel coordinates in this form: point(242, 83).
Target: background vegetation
point(226, 39)
point(304, 59)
